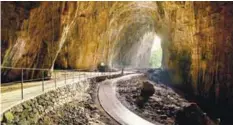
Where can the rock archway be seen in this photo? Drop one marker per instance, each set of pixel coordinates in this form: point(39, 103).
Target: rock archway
point(196, 39)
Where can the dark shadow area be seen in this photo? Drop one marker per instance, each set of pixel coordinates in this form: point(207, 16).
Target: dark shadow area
point(217, 110)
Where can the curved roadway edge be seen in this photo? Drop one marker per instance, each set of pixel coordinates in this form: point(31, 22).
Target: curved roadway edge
point(110, 103)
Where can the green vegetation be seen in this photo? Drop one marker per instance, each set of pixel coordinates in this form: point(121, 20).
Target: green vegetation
point(8, 116)
point(156, 58)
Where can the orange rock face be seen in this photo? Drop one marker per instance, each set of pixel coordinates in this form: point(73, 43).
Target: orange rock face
point(196, 38)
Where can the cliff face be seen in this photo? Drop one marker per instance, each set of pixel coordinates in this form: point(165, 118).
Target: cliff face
point(196, 38)
point(200, 47)
point(32, 34)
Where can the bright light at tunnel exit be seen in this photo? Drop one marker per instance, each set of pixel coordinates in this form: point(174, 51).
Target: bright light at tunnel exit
point(156, 44)
point(156, 53)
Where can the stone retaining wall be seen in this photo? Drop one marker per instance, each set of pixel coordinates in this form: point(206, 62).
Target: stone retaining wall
point(31, 110)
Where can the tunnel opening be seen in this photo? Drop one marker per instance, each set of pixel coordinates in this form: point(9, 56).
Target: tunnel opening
point(195, 51)
point(156, 53)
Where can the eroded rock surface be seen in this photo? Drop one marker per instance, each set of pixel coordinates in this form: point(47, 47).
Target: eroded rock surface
point(76, 113)
point(193, 115)
point(196, 40)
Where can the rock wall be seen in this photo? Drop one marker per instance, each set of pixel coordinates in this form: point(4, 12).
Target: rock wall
point(30, 111)
point(67, 34)
point(196, 39)
point(200, 47)
point(31, 36)
point(198, 54)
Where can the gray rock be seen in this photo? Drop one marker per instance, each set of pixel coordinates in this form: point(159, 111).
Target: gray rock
point(23, 122)
point(26, 105)
point(147, 89)
point(18, 108)
point(163, 117)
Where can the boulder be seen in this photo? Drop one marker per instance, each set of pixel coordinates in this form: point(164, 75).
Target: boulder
point(147, 90)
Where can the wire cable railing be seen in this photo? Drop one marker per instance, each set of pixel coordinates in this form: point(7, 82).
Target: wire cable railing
point(27, 85)
point(44, 77)
point(30, 77)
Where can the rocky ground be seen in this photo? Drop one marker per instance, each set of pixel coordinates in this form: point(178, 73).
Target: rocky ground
point(162, 107)
point(87, 112)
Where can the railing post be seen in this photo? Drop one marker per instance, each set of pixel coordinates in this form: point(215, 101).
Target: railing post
point(73, 76)
point(55, 79)
point(65, 76)
point(90, 76)
point(43, 80)
point(22, 84)
point(79, 77)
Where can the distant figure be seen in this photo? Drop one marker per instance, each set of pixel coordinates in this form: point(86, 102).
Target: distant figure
point(122, 71)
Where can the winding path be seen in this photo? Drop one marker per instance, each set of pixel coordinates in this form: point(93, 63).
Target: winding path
point(110, 103)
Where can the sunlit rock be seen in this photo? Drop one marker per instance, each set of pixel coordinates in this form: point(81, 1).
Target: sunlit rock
point(196, 40)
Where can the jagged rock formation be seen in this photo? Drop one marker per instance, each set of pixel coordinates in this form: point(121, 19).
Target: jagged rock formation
point(196, 39)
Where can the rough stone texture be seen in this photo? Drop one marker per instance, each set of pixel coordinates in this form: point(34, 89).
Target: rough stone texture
point(78, 112)
point(193, 115)
point(200, 50)
point(196, 39)
point(33, 109)
point(199, 54)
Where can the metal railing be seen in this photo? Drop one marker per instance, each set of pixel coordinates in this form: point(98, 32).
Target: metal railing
point(31, 77)
point(21, 84)
point(24, 78)
point(25, 83)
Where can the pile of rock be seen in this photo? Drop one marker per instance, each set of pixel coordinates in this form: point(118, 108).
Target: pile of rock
point(76, 112)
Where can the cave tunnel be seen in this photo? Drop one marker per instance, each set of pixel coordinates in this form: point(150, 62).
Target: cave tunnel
point(192, 41)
